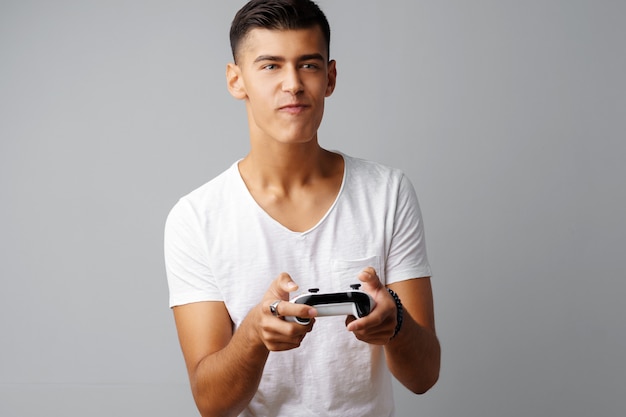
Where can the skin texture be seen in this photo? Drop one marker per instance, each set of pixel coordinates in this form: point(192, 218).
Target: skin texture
point(284, 77)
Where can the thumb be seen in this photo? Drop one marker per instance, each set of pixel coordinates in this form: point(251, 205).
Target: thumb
point(283, 285)
point(370, 279)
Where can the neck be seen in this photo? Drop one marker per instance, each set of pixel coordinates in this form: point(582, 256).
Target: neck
point(285, 166)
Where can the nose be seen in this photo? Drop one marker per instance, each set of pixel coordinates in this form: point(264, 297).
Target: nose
point(292, 82)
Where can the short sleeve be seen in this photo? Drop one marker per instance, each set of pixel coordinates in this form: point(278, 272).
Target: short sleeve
point(189, 276)
point(407, 255)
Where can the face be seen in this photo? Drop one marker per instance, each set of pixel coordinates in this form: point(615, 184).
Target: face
point(284, 77)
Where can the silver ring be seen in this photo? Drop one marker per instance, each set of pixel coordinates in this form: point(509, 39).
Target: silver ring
point(274, 308)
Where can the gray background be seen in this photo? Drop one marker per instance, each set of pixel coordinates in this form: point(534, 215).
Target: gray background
point(507, 115)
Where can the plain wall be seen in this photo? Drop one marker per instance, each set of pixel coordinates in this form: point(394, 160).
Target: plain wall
point(508, 116)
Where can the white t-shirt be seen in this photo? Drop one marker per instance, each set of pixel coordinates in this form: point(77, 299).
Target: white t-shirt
point(220, 245)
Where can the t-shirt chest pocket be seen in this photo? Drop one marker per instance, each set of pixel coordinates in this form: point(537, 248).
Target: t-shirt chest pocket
point(345, 271)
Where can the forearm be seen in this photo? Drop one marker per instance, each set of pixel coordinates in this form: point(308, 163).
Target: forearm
point(225, 368)
point(224, 382)
point(413, 356)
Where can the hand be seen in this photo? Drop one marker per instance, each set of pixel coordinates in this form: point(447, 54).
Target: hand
point(377, 327)
point(276, 333)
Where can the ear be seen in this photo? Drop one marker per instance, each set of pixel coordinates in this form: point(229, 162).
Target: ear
point(332, 77)
point(234, 81)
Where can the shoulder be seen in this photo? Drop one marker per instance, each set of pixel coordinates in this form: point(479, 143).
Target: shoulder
point(219, 184)
point(366, 165)
point(373, 175)
point(210, 192)
point(210, 196)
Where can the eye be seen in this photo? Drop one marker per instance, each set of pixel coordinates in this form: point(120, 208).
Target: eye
point(310, 66)
point(270, 67)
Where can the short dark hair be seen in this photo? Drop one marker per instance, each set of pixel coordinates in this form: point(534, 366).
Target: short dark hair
point(277, 15)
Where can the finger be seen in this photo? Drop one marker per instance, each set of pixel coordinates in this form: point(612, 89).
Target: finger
point(378, 332)
point(280, 330)
point(371, 322)
point(284, 308)
point(370, 279)
point(280, 342)
point(297, 310)
point(281, 335)
point(383, 315)
point(378, 338)
point(282, 286)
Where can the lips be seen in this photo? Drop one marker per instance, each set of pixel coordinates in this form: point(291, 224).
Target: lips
point(293, 108)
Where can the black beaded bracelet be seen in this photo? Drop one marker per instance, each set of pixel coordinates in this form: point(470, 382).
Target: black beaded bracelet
point(399, 314)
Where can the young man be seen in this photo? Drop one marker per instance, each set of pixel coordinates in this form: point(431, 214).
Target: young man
point(288, 217)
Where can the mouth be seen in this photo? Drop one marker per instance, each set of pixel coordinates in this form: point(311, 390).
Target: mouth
point(294, 108)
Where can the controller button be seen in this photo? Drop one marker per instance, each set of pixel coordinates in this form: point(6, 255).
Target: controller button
point(355, 286)
point(314, 290)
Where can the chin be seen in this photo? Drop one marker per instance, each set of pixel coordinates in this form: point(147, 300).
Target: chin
point(296, 138)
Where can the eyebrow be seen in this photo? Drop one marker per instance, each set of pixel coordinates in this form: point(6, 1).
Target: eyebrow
point(274, 58)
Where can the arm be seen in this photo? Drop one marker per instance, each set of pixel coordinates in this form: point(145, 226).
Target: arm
point(208, 345)
point(225, 367)
point(413, 356)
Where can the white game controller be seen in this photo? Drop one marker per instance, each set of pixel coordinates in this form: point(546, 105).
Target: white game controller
point(354, 302)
